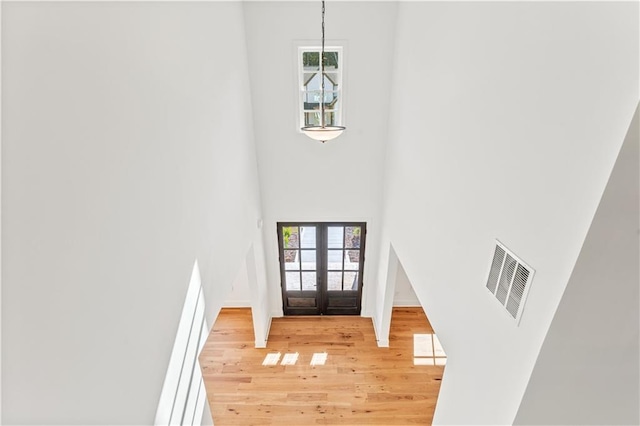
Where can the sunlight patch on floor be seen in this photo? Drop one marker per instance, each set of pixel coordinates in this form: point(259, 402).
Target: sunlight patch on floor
point(271, 359)
point(427, 350)
point(319, 358)
point(289, 359)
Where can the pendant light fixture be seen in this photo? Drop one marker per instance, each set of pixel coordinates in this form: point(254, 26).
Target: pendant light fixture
point(322, 132)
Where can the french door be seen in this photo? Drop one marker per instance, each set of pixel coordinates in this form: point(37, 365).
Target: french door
point(321, 267)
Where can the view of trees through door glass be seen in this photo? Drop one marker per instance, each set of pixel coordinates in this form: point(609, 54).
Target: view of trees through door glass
point(343, 257)
point(321, 267)
point(300, 257)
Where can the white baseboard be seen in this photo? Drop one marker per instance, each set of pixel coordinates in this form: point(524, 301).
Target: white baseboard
point(406, 304)
point(383, 343)
point(237, 304)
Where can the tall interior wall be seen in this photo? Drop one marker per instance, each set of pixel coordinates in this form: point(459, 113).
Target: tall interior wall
point(587, 370)
point(126, 156)
point(506, 121)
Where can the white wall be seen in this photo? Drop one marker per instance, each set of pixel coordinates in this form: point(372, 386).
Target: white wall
point(257, 281)
point(403, 294)
point(506, 120)
point(303, 180)
point(1, 274)
point(587, 370)
point(240, 295)
point(249, 290)
point(127, 155)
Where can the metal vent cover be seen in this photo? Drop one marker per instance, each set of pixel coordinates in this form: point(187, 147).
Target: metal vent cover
point(509, 280)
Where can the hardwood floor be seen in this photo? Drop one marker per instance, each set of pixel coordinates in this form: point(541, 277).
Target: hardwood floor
point(360, 384)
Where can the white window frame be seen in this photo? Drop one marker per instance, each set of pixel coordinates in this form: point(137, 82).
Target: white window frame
point(339, 110)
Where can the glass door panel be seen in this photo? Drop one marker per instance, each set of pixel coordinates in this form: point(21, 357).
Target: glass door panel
point(343, 261)
point(299, 268)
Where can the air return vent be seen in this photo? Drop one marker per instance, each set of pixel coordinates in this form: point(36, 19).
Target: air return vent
point(509, 280)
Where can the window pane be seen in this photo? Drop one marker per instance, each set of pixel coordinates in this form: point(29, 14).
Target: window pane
point(313, 118)
point(293, 281)
point(352, 260)
point(291, 260)
point(311, 82)
point(290, 236)
point(331, 60)
point(309, 281)
point(330, 118)
point(330, 100)
point(335, 236)
point(333, 80)
point(308, 260)
point(334, 281)
point(308, 236)
point(312, 87)
point(311, 100)
point(334, 260)
point(352, 237)
point(350, 281)
point(308, 75)
point(310, 60)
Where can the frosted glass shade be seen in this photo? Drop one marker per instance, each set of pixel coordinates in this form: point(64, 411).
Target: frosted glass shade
point(323, 134)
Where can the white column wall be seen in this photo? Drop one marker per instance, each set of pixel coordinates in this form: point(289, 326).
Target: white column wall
point(240, 294)
point(506, 120)
point(127, 154)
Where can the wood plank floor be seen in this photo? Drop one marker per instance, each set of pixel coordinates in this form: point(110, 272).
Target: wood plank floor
point(360, 384)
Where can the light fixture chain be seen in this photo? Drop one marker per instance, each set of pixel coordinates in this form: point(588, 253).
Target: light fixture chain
point(322, 123)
